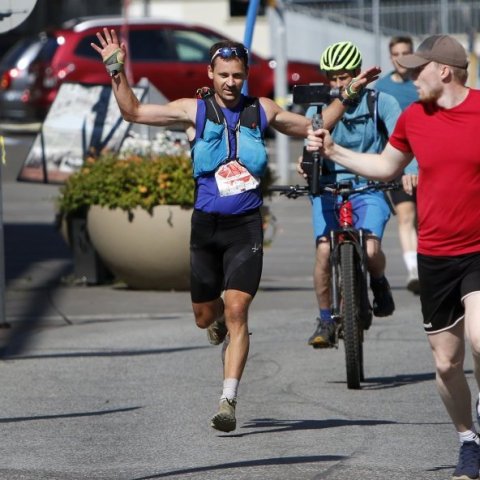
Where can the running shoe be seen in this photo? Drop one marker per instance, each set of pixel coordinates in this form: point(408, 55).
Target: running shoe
point(224, 420)
point(383, 304)
point(217, 332)
point(324, 335)
point(468, 462)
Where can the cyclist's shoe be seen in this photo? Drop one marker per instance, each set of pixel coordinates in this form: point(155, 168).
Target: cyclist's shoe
point(324, 335)
point(413, 285)
point(224, 420)
point(383, 304)
point(468, 462)
point(217, 331)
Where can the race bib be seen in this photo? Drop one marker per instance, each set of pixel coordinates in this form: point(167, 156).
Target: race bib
point(233, 178)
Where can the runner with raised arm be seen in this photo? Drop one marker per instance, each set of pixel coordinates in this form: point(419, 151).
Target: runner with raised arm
point(441, 131)
point(229, 157)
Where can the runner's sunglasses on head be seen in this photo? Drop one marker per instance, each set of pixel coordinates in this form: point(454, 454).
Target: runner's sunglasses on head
point(229, 52)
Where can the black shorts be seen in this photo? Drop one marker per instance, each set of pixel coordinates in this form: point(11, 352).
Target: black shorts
point(444, 283)
point(226, 252)
point(400, 195)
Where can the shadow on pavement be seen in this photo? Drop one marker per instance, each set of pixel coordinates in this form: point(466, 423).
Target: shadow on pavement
point(116, 353)
point(249, 463)
point(27, 245)
point(67, 415)
point(36, 259)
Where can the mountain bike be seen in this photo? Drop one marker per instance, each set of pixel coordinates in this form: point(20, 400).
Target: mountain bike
point(350, 303)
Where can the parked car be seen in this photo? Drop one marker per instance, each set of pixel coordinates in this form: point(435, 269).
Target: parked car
point(172, 55)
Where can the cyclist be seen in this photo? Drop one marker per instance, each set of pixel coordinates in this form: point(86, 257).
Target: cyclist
point(360, 129)
point(226, 244)
point(399, 84)
point(441, 131)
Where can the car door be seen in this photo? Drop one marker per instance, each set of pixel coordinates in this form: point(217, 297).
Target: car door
point(175, 60)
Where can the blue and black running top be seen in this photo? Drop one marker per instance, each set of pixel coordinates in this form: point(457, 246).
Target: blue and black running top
point(224, 135)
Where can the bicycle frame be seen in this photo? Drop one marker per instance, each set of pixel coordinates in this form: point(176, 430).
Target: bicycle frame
point(350, 304)
point(347, 233)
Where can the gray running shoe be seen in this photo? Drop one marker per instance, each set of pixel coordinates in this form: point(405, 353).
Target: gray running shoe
point(413, 285)
point(217, 332)
point(224, 420)
point(383, 304)
point(324, 335)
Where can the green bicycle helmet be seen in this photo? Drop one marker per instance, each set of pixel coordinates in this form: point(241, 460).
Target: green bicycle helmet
point(341, 56)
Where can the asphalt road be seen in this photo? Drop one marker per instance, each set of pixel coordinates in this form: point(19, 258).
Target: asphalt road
point(113, 384)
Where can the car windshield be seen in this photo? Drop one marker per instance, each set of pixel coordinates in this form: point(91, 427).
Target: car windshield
point(193, 46)
point(28, 50)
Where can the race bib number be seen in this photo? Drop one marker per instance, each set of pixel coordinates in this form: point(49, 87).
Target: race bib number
point(233, 178)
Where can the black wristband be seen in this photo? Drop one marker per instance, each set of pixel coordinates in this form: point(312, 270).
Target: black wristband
point(347, 101)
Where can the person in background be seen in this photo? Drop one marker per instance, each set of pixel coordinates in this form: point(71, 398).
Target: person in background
point(399, 84)
point(226, 130)
point(441, 131)
point(368, 120)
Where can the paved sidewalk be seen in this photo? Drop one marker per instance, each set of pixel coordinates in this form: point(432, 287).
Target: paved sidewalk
point(106, 383)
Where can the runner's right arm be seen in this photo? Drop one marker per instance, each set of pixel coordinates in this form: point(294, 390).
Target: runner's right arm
point(384, 166)
point(180, 111)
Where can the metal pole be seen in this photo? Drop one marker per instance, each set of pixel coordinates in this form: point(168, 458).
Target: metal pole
point(3, 320)
point(146, 8)
point(249, 27)
point(376, 31)
point(444, 16)
point(279, 50)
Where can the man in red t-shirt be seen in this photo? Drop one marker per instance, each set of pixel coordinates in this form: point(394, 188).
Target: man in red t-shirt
point(441, 131)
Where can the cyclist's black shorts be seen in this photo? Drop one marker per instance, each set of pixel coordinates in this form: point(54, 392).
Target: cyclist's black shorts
point(226, 252)
point(444, 283)
point(400, 195)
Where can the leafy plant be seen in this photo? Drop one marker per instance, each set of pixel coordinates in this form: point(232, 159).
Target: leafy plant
point(128, 182)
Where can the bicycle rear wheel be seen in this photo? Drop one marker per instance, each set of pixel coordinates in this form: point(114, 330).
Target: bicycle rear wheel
point(352, 330)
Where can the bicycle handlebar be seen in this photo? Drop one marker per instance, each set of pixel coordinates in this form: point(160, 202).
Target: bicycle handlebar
point(339, 188)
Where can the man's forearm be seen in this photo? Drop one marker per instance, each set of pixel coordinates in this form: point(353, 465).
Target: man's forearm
point(370, 165)
point(126, 99)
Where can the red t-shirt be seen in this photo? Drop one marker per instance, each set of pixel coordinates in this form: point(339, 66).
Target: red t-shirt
point(446, 143)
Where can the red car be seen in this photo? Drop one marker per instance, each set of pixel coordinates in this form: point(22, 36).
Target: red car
point(172, 55)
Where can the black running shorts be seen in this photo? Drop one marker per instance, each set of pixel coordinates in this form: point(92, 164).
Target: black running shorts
point(444, 283)
point(226, 252)
point(400, 195)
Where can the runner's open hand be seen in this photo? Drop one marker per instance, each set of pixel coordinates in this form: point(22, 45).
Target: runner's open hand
point(364, 78)
point(109, 44)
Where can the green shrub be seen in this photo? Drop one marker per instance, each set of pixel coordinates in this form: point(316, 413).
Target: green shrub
point(128, 182)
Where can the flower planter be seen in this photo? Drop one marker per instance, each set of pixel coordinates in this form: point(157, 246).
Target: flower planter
point(146, 251)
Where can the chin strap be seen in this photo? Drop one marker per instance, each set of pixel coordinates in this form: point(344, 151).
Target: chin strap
point(113, 65)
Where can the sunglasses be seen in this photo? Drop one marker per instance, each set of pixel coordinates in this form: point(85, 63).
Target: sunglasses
point(229, 52)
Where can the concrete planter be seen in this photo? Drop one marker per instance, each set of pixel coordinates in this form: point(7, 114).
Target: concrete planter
point(147, 252)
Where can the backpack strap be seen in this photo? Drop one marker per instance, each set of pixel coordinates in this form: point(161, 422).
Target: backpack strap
point(209, 109)
point(372, 104)
point(250, 116)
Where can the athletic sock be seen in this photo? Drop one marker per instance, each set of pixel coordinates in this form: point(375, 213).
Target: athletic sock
point(469, 436)
point(230, 387)
point(326, 315)
point(410, 259)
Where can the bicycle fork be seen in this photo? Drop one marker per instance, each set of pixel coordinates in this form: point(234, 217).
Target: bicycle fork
point(346, 233)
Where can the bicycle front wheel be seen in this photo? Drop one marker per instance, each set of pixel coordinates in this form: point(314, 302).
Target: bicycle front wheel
point(352, 331)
